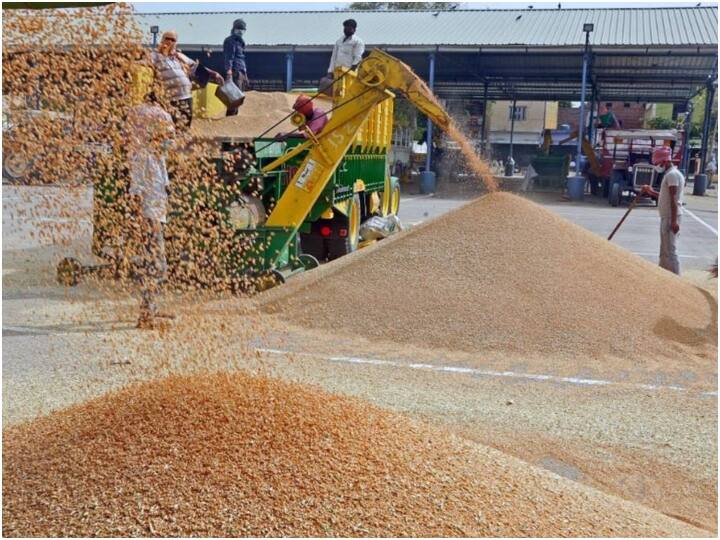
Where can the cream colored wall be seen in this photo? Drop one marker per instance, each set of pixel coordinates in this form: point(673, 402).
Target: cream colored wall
point(551, 114)
point(539, 115)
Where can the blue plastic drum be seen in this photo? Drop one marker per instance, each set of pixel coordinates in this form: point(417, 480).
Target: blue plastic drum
point(576, 187)
point(427, 182)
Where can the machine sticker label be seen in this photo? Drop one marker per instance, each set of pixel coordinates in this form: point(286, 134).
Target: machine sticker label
point(306, 181)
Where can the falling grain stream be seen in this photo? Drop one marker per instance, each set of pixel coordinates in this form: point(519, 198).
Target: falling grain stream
point(478, 165)
point(190, 452)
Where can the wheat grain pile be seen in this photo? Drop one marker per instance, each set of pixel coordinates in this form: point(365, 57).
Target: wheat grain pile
point(504, 274)
point(235, 455)
point(259, 112)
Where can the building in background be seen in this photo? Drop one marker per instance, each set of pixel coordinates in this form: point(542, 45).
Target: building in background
point(630, 115)
point(531, 118)
point(536, 58)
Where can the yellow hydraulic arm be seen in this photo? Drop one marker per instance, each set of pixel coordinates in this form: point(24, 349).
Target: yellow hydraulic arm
point(587, 149)
point(376, 75)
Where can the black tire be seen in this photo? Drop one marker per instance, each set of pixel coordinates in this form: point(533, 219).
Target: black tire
point(15, 169)
point(308, 261)
point(617, 184)
point(395, 199)
point(313, 244)
point(615, 194)
point(594, 185)
point(337, 247)
point(68, 272)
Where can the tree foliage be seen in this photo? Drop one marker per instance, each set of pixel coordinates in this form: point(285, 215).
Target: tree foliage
point(407, 6)
point(661, 123)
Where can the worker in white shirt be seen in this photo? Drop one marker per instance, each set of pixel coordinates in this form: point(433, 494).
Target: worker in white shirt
point(348, 50)
point(670, 201)
point(150, 132)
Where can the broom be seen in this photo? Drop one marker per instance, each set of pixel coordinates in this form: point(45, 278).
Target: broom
point(632, 205)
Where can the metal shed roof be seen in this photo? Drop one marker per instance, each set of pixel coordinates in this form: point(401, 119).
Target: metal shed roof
point(638, 54)
point(614, 27)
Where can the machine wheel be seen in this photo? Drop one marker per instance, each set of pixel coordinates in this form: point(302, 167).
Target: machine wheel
point(594, 185)
point(605, 188)
point(277, 276)
point(615, 194)
point(337, 247)
point(395, 199)
point(617, 181)
point(247, 212)
point(16, 167)
point(267, 280)
point(390, 197)
point(68, 272)
point(308, 261)
point(314, 245)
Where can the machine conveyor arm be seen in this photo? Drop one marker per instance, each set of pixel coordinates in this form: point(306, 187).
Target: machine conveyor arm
point(384, 70)
point(376, 75)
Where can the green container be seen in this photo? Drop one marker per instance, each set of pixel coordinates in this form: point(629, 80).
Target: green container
point(267, 148)
point(552, 170)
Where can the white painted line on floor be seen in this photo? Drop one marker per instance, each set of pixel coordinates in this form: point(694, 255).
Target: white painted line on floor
point(700, 221)
point(479, 372)
point(648, 254)
point(29, 330)
point(410, 198)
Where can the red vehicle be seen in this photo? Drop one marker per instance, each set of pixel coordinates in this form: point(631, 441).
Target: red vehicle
point(625, 154)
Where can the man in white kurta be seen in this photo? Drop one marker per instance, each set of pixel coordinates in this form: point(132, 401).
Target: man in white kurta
point(670, 207)
point(150, 133)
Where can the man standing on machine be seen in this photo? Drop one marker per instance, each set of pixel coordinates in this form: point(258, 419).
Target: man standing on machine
point(234, 56)
point(348, 50)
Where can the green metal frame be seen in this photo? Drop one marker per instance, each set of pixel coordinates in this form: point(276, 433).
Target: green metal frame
point(271, 242)
point(274, 249)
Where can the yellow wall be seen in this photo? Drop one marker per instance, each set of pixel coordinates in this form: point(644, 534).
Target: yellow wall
point(551, 114)
point(539, 115)
point(205, 104)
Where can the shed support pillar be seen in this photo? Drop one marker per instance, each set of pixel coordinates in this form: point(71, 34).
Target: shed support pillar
point(686, 140)
point(510, 165)
point(483, 132)
point(428, 139)
point(289, 70)
point(591, 117)
point(581, 120)
point(709, 99)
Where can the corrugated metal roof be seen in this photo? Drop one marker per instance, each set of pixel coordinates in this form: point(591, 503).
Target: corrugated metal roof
point(614, 27)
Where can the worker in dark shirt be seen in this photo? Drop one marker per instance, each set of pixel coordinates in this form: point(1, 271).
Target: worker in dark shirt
point(234, 52)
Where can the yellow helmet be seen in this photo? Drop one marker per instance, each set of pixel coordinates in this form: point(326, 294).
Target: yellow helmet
point(143, 78)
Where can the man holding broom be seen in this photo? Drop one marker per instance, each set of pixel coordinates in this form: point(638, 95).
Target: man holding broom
point(670, 201)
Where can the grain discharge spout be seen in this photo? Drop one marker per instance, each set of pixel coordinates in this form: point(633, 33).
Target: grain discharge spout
point(381, 68)
point(355, 97)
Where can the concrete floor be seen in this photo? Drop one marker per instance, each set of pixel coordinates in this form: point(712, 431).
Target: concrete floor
point(61, 213)
point(657, 447)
